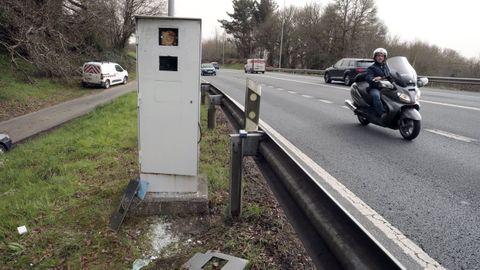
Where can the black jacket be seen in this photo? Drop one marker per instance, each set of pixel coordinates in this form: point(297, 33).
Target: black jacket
point(377, 70)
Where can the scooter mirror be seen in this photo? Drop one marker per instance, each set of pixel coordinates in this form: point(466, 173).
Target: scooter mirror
point(422, 81)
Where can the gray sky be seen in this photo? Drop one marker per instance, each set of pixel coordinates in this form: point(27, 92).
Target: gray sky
point(445, 23)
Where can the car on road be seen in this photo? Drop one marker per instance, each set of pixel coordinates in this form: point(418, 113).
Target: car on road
point(5, 143)
point(255, 65)
point(346, 69)
point(215, 65)
point(103, 74)
point(208, 69)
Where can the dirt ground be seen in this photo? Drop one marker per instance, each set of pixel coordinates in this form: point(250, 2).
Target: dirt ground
point(265, 237)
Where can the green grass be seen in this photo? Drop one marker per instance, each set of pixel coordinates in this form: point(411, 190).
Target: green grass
point(253, 211)
point(234, 66)
point(64, 187)
point(132, 73)
point(214, 158)
point(132, 54)
point(18, 96)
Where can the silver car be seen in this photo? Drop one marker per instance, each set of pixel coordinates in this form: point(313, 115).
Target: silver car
point(208, 69)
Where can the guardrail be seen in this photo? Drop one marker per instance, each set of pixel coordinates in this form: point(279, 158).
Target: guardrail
point(448, 80)
point(330, 235)
point(299, 71)
point(453, 80)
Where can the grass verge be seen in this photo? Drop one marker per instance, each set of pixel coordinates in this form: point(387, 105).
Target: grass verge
point(233, 66)
point(64, 185)
point(262, 234)
point(18, 97)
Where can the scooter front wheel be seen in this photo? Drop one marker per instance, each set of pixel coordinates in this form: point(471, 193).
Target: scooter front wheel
point(363, 120)
point(409, 128)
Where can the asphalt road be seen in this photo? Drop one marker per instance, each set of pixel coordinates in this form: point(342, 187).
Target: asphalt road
point(427, 188)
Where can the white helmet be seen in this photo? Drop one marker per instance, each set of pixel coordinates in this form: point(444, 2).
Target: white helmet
point(380, 50)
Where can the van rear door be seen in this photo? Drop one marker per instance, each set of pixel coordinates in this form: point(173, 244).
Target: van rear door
point(92, 73)
point(258, 65)
point(109, 73)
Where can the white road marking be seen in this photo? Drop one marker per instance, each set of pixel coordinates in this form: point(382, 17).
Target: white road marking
point(292, 92)
point(451, 105)
point(395, 235)
point(405, 244)
point(311, 83)
point(451, 135)
point(325, 101)
point(345, 107)
point(280, 89)
point(348, 89)
point(307, 96)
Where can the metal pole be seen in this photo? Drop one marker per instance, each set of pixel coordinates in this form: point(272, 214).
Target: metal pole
point(211, 116)
point(213, 100)
point(281, 37)
point(236, 160)
point(223, 53)
point(171, 8)
point(203, 92)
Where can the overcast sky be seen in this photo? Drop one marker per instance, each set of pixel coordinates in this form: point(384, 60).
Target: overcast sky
point(445, 23)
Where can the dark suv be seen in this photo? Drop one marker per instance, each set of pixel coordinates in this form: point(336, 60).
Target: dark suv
point(346, 69)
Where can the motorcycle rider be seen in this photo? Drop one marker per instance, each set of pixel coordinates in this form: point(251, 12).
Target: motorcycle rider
point(376, 72)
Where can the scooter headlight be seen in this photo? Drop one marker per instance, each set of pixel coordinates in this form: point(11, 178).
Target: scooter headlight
point(404, 97)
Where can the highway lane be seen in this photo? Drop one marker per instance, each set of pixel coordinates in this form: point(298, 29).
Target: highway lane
point(427, 188)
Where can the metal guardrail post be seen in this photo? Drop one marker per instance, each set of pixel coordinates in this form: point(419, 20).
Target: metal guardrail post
point(242, 144)
point(213, 100)
point(203, 92)
point(211, 116)
point(236, 164)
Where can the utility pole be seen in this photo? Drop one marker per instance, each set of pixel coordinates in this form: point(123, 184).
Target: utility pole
point(281, 37)
point(223, 51)
point(171, 8)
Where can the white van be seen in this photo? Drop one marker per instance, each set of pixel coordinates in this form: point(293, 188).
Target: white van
point(255, 65)
point(103, 74)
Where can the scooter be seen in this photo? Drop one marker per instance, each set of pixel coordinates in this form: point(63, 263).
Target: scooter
point(400, 95)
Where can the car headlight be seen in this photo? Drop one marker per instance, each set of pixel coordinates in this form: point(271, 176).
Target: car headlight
point(404, 97)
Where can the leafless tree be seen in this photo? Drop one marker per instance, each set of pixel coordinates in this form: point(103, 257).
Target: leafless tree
point(358, 24)
point(122, 19)
point(219, 49)
point(57, 35)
